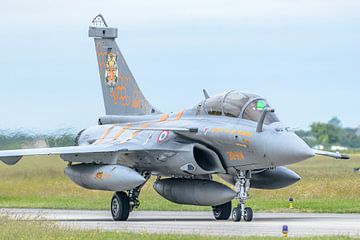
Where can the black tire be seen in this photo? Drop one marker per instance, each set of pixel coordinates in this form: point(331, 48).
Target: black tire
point(120, 206)
point(222, 212)
point(248, 215)
point(236, 214)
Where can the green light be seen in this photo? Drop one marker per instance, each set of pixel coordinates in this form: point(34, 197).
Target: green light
point(260, 105)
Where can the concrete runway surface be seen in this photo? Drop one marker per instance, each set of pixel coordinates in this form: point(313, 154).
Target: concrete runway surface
point(203, 223)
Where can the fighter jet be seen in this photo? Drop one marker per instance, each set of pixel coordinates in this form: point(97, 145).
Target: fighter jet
point(234, 135)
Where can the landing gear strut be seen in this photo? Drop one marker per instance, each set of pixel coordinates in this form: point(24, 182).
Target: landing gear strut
point(242, 188)
point(134, 198)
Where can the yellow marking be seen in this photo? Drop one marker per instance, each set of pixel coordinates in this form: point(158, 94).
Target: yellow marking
point(105, 134)
point(235, 156)
point(241, 145)
point(164, 117)
point(121, 131)
point(216, 130)
point(231, 131)
point(243, 133)
point(179, 115)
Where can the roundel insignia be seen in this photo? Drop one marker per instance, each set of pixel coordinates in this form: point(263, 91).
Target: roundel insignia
point(163, 136)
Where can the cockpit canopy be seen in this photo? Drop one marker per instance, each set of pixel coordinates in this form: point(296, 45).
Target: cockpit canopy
point(239, 105)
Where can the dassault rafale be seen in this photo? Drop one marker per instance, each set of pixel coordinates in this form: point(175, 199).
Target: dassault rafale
point(234, 135)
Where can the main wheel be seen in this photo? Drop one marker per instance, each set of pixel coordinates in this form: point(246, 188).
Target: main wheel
point(236, 214)
point(120, 206)
point(222, 212)
point(248, 215)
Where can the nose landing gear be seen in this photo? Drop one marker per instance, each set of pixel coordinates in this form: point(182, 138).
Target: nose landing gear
point(242, 188)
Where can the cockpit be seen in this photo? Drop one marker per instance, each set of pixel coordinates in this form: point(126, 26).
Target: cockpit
point(239, 105)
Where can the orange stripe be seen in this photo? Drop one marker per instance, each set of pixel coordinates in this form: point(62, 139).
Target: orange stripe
point(105, 134)
point(145, 125)
point(121, 131)
point(164, 117)
point(179, 115)
point(135, 133)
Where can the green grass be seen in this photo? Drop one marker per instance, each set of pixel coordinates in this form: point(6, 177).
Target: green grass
point(39, 182)
point(17, 229)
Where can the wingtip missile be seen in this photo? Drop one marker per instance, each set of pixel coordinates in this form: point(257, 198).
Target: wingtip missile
point(335, 155)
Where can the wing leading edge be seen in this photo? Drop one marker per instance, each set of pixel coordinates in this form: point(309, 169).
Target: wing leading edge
point(11, 157)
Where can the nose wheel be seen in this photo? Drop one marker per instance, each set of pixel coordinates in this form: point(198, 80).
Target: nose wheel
point(236, 214)
point(242, 188)
point(248, 214)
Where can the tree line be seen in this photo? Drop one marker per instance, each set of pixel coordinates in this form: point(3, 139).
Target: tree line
point(15, 139)
point(330, 134)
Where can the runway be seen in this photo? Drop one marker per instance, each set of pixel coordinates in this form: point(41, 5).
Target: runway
point(264, 224)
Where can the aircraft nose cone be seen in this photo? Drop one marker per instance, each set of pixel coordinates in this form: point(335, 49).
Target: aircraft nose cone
point(288, 149)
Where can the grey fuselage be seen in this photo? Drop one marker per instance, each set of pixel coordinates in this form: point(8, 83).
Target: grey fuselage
point(221, 144)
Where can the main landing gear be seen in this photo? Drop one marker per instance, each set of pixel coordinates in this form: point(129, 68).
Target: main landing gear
point(242, 188)
point(222, 212)
point(122, 204)
point(242, 185)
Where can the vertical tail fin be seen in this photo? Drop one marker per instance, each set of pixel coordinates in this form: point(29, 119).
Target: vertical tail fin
point(122, 95)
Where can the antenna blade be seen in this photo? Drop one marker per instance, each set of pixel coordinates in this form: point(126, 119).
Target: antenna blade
point(206, 94)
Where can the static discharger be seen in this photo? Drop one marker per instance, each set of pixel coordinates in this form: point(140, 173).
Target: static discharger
point(291, 201)
point(285, 231)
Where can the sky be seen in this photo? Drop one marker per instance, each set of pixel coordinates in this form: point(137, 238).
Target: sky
point(302, 56)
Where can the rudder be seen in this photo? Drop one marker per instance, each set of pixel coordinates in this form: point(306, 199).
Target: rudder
point(122, 95)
